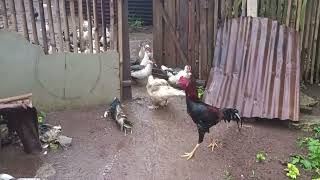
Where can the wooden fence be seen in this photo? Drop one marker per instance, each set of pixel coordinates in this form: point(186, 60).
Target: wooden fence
point(46, 23)
point(185, 33)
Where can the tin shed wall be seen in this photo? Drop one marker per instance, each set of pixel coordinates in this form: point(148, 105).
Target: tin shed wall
point(256, 69)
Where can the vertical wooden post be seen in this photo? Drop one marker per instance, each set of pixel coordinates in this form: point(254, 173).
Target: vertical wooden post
point(5, 15)
point(33, 22)
point(80, 12)
point(57, 7)
point(113, 27)
point(289, 12)
point(74, 26)
point(315, 40)
point(14, 15)
point(103, 24)
point(96, 26)
point(298, 16)
point(50, 19)
point(66, 25)
point(43, 27)
point(125, 76)
point(203, 45)
point(157, 31)
point(88, 3)
point(24, 20)
point(210, 32)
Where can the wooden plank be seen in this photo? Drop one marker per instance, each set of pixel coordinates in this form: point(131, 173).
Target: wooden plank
point(113, 27)
point(203, 45)
point(222, 9)
point(311, 36)
point(43, 27)
point(174, 37)
point(103, 25)
point(191, 33)
point(96, 26)
point(124, 48)
point(294, 14)
point(66, 25)
point(298, 15)
point(210, 35)
point(51, 29)
point(169, 56)
point(80, 14)
point(4, 13)
point(14, 15)
point(58, 18)
point(315, 40)
point(157, 31)
point(195, 70)
point(288, 12)
point(215, 20)
point(307, 38)
point(15, 98)
point(24, 20)
point(318, 63)
point(88, 2)
point(74, 26)
point(33, 22)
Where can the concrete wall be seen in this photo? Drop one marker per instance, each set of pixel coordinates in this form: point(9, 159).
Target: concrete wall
point(58, 81)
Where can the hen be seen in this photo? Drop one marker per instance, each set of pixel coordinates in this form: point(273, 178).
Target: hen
point(160, 91)
point(204, 115)
point(175, 74)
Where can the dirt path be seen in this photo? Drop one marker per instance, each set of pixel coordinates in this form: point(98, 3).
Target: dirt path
point(101, 151)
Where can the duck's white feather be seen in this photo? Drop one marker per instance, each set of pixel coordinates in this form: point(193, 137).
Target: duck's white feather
point(143, 73)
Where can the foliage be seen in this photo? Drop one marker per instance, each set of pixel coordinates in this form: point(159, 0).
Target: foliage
point(261, 156)
point(292, 171)
point(41, 117)
point(227, 175)
point(200, 91)
point(311, 161)
point(135, 23)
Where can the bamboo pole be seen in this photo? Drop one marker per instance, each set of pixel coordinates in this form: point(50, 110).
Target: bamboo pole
point(24, 20)
point(66, 25)
point(80, 12)
point(298, 16)
point(306, 40)
point(103, 23)
point(74, 26)
point(289, 12)
point(51, 25)
point(318, 65)
point(96, 26)
point(33, 23)
point(43, 27)
point(5, 15)
point(15, 98)
point(312, 28)
point(315, 40)
point(14, 15)
point(88, 2)
point(60, 37)
point(113, 27)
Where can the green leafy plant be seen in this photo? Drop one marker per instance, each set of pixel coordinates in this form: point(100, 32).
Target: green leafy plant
point(228, 175)
point(261, 156)
point(41, 117)
point(135, 23)
point(200, 91)
point(292, 171)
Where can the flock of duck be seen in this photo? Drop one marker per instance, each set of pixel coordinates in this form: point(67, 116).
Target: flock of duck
point(159, 90)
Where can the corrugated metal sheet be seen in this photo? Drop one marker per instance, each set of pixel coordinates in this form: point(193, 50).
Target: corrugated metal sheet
point(256, 69)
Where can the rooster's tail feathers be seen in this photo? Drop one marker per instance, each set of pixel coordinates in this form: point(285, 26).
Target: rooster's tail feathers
point(232, 115)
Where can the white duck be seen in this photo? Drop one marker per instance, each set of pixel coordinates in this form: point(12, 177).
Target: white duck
point(175, 76)
point(6, 177)
point(143, 72)
point(160, 91)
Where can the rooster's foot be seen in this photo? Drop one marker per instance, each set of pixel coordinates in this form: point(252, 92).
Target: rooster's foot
point(213, 145)
point(191, 154)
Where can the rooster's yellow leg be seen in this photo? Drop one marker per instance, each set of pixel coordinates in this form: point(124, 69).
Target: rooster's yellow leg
point(213, 144)
point(191, 154)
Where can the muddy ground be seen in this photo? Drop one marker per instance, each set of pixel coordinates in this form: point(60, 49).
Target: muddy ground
point(101, 151)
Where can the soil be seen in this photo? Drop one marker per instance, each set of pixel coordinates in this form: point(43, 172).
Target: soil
point(101, 151)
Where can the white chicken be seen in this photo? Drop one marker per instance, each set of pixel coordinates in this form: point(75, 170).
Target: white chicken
point(174, 77)
point(160, 91)
point(143, 72)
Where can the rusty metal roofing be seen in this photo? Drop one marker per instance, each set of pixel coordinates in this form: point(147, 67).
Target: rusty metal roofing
point(256, 69)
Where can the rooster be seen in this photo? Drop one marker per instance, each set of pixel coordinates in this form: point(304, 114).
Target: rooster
point(204, 115)
point(159, 91)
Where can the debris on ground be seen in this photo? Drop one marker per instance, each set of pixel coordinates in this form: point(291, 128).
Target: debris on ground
point(51, 137)
point(116, 113)
point(307, 103)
